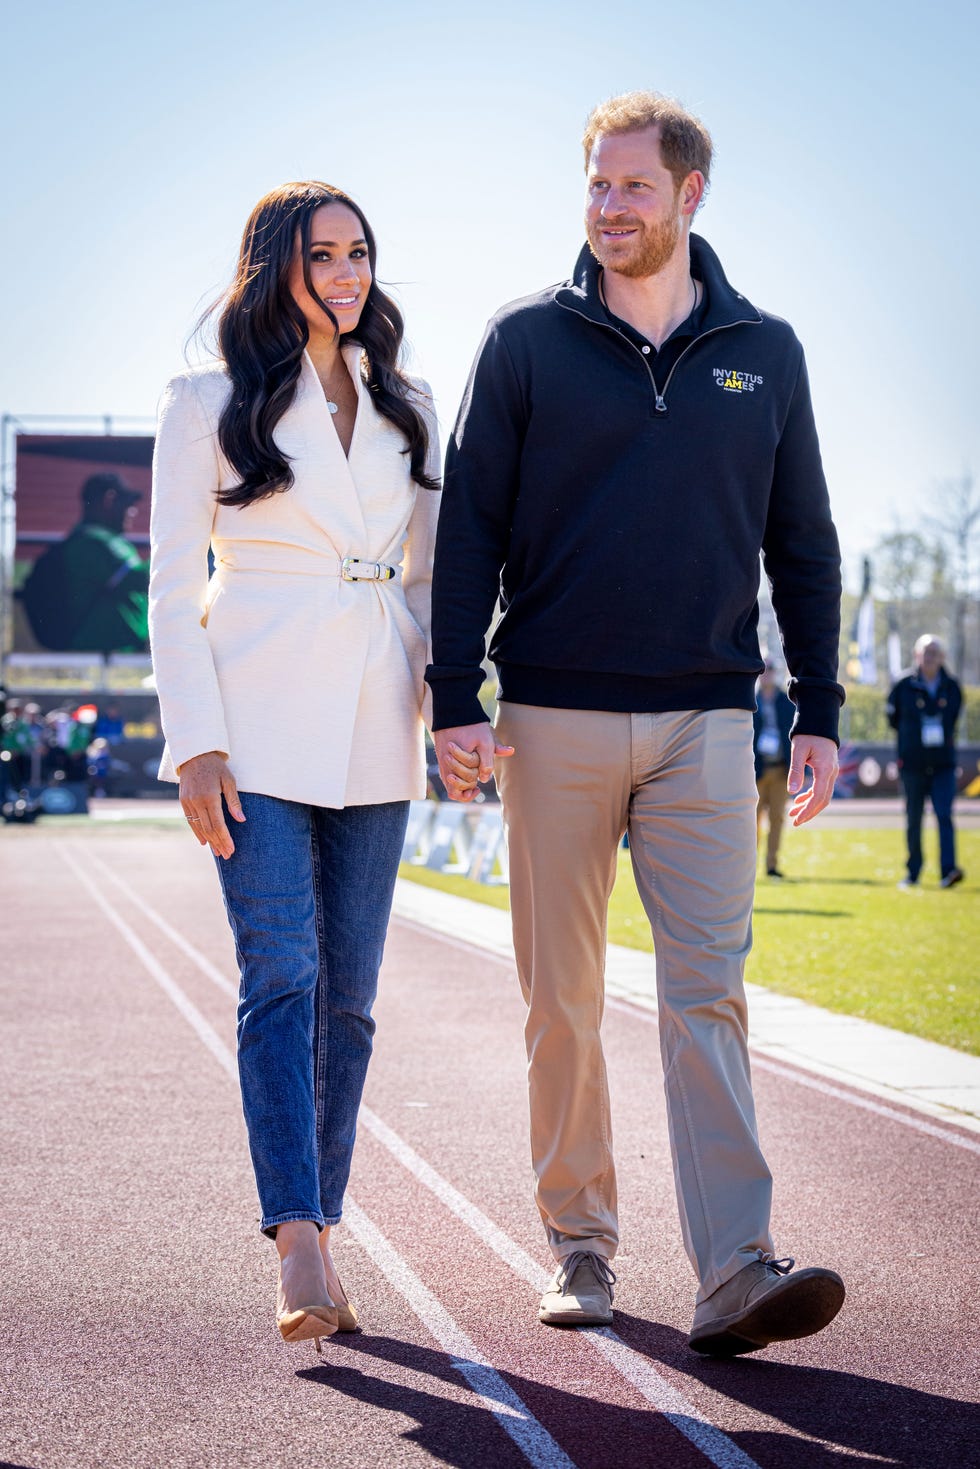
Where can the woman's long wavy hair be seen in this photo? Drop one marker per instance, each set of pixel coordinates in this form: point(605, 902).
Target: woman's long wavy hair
point(261, 335)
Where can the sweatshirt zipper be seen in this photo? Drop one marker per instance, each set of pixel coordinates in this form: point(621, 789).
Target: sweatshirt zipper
point(659, 398)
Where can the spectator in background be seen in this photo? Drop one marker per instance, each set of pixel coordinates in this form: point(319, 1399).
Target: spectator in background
point(109, 724)
point(16, 747)
point(32, 744)
point(99, 767)
point(923, 708)
point(67, 740)
point(34, 720)
point(771, 724)
point(52, 752)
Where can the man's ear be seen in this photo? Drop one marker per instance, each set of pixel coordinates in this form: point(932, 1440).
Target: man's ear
point(692, 192)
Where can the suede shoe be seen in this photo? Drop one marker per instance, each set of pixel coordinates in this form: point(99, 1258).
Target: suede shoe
point(761, 1305)
point(581, 1292)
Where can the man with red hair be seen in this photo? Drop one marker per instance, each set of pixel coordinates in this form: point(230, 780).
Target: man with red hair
point(628, 444)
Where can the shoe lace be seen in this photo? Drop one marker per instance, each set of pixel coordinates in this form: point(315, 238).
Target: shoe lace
point(600, 1268)
point(781, 1267)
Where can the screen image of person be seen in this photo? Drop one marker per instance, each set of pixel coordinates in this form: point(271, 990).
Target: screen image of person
point(88, 593)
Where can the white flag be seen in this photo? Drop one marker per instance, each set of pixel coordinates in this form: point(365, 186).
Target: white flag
point(895, 669)
point(866, 640)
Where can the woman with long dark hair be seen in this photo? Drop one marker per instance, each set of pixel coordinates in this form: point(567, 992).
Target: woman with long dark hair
point(291, 681)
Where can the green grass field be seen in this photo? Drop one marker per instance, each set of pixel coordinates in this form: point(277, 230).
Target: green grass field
point(838, 932)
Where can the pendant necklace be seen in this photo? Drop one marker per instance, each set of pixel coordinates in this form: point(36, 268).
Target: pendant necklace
point(331, 405)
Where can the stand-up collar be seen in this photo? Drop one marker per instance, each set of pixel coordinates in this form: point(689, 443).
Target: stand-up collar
point(725, 307)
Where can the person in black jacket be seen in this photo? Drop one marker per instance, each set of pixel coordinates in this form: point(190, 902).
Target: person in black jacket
point(628, 443)
point(772, 749)
point(924, 707)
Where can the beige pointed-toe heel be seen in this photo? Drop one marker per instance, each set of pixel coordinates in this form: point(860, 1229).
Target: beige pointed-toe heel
point(309, 1324)
point(346, 1313)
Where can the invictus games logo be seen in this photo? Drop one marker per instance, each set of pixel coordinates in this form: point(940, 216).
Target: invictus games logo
point(736, 382)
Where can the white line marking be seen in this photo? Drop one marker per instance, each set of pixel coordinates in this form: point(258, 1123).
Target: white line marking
point(177, 939)
point(632, 1365)
point(482, 951)
point(190, 1012)
point(632, 1007)
point(759, 1059)
point(714, 1444)
point(501, 1244)
point(524, 1265)
point(882, 1108)
point(530, 1436)
point(802, 1078)
point(509, 1251)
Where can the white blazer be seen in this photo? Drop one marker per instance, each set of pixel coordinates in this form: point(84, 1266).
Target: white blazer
point(311, 684)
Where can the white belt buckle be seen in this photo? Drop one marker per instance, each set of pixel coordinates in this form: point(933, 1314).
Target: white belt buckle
point(352, 568)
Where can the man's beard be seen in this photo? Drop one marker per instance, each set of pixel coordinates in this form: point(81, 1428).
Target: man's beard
point(650, 249)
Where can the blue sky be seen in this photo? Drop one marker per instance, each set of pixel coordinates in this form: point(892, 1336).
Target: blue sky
point(136, 140)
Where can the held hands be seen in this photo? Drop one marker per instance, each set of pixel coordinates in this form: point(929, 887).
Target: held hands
point(821, 756)
point(203, 781)
point(465, 757)
point(466, 754)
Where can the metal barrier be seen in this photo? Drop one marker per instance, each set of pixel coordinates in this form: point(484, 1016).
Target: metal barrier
point(463, 840)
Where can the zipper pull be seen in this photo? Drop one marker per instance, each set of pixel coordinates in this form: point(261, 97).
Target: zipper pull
point(660, 405)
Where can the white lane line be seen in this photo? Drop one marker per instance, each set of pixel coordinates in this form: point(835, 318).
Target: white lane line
point(508, 1250)
point(637, 1369)
point(530, 1436)
point(190, 1012)
point(177, 939)
point(881, 1108)
point(469, 946)
point(648, 1013)
point(802, 1078)
point(794, 1073)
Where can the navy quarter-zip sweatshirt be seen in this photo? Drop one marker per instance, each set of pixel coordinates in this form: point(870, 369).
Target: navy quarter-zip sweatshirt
point(617, 501)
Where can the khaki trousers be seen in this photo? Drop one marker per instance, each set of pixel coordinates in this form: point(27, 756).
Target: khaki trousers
point(683, 786)
point(772, 802)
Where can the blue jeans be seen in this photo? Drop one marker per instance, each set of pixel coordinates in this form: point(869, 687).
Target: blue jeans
point(308, 895)
point(940, 787)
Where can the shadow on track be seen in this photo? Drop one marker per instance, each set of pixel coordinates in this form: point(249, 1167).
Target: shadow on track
point(900, 1426)
point(803, 912)
point(787, 881)
point(595, 1433)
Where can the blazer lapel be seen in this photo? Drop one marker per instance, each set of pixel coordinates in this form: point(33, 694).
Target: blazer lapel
point(329, 488)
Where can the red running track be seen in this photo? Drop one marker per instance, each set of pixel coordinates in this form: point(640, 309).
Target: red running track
point(138, 1294)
